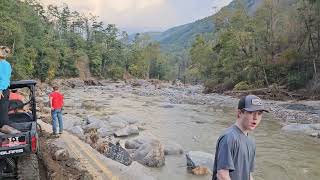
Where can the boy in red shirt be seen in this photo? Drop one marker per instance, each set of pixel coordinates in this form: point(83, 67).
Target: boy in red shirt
point(56, 104)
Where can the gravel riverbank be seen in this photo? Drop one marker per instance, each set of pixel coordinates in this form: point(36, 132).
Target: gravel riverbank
point(294, 116)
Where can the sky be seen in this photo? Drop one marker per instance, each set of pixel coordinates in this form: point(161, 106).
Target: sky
point(145, 15)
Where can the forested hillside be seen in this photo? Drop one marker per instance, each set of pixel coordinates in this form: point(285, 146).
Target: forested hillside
point(49, 42)
point(277, 45)
point(181, 37)
point(248, 44)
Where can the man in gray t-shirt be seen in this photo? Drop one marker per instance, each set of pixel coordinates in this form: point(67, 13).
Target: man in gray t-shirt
point(235, 150)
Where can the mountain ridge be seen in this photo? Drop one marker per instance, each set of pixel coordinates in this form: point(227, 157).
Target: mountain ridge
point(181, 37)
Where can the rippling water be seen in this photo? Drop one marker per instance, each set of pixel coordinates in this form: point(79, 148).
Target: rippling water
point(280, 156)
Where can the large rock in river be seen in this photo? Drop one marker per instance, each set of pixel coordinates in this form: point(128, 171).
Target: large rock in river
point(137, 142)
point(76, 130)
point(70, 121)
point(150, 154)
point(93, 123)
point(172, 148)
point(105, 131)
point(127, 131)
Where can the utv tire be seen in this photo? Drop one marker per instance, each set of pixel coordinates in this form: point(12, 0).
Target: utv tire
point(28, 167)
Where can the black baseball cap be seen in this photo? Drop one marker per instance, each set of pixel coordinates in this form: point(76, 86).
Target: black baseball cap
point(251, 103)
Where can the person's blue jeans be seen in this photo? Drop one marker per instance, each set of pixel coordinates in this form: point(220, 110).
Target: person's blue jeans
point(57, 118)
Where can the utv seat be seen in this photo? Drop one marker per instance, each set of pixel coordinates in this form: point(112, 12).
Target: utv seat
point(21, 121)
point(20, 117)
point(15, 104)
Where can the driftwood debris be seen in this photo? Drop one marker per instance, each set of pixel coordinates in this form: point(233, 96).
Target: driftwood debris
point(273, 92)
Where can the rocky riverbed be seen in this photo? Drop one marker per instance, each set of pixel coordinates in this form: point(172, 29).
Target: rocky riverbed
point(288, 112)
point(89, 116)
point(294, 116)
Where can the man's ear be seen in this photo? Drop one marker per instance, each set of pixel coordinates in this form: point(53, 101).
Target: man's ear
point(8, 50)
point(239, 112)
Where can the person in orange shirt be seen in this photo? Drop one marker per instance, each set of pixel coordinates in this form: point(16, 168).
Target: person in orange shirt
point(15, 102)
point(15, 95)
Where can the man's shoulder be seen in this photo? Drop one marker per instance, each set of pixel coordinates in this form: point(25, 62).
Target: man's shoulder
point(5, 62)
point(60, 94)
point(231, 131)
point(56, 93)
point(52, 93)
point(230, 134)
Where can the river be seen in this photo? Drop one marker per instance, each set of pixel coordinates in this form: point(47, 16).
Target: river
point(280, 156)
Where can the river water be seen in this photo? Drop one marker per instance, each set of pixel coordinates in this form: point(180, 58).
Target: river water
point(280, 156)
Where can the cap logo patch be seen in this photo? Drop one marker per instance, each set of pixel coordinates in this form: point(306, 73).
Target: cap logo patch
point(256, 102)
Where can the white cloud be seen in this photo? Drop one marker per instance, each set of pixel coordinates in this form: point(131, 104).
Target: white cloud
point(128, 5)
point(138, 13)
point(142, 15)
point(114, 5)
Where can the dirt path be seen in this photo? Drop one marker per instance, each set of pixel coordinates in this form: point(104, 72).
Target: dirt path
point(84, 154)
point(83, 67)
